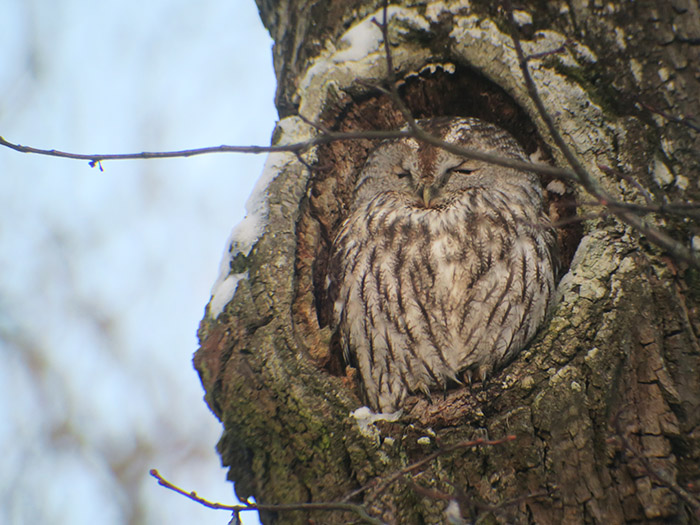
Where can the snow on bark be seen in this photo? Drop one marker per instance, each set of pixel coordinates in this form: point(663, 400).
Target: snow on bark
point(244, 236)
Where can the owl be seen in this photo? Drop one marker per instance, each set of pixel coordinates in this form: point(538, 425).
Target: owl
point(444, 268)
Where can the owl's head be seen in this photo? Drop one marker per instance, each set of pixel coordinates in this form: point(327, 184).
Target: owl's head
point(426, 176)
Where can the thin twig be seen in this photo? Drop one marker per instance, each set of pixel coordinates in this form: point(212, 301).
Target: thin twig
point(584, 178)
point(301, 147)
point(685, 121)
point(382, 484)
point(283, 507)
point(440, 495)
point(634, 182)
point(430, 493)
point(578, 219)
point(544, 54)
point(683, 209)
point(390, 73)
point(318, 127)
point(417, 132)
point(624, 211)
point(290, 148)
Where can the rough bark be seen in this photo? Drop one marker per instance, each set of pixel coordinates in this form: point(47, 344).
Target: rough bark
point(621, 352)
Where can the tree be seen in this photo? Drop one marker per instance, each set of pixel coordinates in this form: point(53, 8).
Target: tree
point(604, 405)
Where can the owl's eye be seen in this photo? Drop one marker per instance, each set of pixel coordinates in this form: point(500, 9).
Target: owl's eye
point(466, 167)
point(463, 170)
point(403, 174)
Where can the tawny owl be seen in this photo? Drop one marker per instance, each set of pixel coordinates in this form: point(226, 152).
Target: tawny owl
point(444, 267)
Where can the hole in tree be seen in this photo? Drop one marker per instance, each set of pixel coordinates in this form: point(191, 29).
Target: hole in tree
point(463, 93)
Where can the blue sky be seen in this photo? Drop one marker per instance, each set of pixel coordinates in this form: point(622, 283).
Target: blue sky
point(104, 275)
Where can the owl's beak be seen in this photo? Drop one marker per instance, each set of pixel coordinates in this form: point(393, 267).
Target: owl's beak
point(427, 195)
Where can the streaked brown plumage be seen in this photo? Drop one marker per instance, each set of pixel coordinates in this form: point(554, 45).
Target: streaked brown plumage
point(444, 266)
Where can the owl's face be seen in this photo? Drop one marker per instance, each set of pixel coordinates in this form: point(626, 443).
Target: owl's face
point(425, 176)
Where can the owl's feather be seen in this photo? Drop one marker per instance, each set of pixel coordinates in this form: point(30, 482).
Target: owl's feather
point(444, 265)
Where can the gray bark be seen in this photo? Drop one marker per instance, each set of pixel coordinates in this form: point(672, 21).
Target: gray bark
point(622, 344)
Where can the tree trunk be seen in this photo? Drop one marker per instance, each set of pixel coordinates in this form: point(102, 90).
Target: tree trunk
point(605, 403)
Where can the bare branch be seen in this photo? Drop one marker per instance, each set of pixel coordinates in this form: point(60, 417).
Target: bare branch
point(685, 121)
point(545, 54)
point(682, 209)
point(349, 507)
point(95, 158)
point(301, 147)
point(577, 219)
point(583, 177)
point(390, 73)
point(626, 212)
point(439, 495)
point(634, 182)
point(383, 484)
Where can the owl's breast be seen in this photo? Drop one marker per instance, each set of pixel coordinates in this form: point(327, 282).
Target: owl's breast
point(423, 294)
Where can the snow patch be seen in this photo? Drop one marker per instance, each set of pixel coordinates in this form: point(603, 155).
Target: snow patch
point(620, 39)
point(695, 243)
point(358, 55)
point(244, 236)
point(682, 182)
point(662, 175)
point(522, 18)
point(366, 37)
point(366, 419)
point(435, 9)
point(453, 514)
point(223, 293)
point(359, 41)
point(636, 69)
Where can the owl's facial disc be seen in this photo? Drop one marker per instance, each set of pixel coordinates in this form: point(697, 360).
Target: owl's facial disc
point(428, 173)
